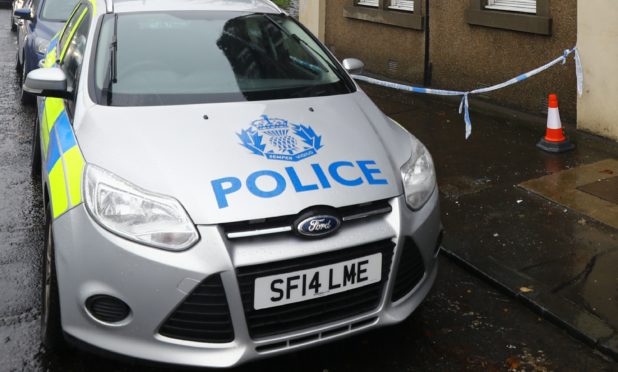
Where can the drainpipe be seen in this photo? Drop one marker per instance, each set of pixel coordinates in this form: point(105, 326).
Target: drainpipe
point(427, 63)
point(312, 14)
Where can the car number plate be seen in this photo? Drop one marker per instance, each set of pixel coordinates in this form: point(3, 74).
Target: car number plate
point(288, 288)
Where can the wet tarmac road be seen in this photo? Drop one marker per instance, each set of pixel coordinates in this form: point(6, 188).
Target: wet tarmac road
point(464, 325)
point(561, 245)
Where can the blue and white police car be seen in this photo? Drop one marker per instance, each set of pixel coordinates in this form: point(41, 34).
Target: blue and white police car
point(218, 189)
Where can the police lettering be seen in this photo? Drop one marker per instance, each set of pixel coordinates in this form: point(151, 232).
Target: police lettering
point(344, 173)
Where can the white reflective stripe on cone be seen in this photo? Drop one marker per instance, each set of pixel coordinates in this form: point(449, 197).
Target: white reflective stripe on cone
point(553, 119)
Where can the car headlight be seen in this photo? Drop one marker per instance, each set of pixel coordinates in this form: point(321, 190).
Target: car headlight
point(136, 214)
point(419, 176)
point(41, 45)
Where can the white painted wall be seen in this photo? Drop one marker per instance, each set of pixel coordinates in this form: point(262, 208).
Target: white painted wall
point(312, 14)
point(597, 41)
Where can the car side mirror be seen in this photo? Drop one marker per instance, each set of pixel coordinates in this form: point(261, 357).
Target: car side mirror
point(24, 14)
point(47, 82)
point(353, 66)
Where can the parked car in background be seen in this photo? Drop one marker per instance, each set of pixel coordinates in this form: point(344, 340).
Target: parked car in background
point(15, 4)
point(41, 20)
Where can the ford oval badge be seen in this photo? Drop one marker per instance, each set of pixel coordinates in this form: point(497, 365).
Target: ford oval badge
point(316, 226)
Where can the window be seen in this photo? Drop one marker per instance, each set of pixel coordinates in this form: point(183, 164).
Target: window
point(57, 10)
point(74, 58)
point(373, 3)
point(407, 5)
point(74, 55)
point(523, 6)
point(69, 26)
point(34, 5)
point(400, 13)
point(238, 57)
point(530, 16)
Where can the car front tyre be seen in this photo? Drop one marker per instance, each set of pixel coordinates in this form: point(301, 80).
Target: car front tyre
point(13, 23)
point(52, 336)
point(18, 65)
point(35, 170)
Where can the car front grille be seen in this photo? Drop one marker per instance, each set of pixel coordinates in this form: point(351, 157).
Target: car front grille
point(410, 271)
point(322, 310)
point(284, 224)
point(203, 316)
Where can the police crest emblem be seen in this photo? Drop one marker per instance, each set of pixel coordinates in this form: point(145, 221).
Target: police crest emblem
point(278, 139)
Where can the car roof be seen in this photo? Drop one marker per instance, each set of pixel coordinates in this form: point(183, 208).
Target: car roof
point(254, 6)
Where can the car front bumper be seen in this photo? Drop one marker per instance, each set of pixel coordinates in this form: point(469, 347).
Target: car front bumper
point(92, 261)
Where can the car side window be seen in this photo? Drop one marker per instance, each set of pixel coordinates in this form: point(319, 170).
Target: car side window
point(74, 56)
point(75, 17)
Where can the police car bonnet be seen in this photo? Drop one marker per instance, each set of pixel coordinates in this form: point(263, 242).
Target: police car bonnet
point(248, 160)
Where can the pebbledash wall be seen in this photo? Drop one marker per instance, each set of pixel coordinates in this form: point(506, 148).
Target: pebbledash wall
point(470, 45)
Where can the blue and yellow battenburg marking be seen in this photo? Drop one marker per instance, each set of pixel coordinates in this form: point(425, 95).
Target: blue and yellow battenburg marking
point(61, 155)
point(63, 160)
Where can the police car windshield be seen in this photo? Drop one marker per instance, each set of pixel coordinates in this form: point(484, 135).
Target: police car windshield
point(57, 10)
point(169, 58)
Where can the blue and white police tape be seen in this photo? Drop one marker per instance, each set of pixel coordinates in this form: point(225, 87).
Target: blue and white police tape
point(464, 107)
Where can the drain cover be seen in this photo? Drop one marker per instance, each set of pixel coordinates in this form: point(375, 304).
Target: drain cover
point(606, 189)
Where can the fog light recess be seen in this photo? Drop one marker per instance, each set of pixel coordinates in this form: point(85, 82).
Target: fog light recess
point(107, 309)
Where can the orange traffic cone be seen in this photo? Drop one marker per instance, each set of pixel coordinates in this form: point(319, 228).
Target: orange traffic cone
point(554, 140)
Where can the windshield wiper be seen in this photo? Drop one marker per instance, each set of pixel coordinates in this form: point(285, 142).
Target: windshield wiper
point(113, 66)
point(306, 45)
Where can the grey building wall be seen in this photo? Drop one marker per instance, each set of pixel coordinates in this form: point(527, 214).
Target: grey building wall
point(375, 43)
point(464, 56)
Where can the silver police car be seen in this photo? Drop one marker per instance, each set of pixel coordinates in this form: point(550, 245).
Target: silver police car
point(218, 189)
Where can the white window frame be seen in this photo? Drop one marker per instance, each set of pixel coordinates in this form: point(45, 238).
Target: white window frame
point(521, 6)
point(371, 3)
point(406, 5)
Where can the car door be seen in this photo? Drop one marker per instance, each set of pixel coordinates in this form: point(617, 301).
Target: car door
point(62, 162)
